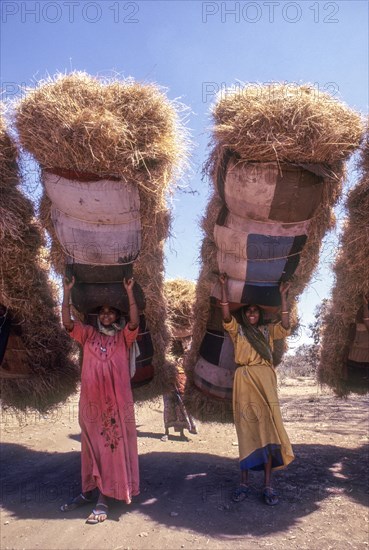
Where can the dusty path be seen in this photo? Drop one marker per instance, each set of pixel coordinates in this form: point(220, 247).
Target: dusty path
point(186, 485)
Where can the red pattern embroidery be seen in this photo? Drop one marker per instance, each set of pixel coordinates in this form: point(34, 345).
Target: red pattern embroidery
point(110, 427)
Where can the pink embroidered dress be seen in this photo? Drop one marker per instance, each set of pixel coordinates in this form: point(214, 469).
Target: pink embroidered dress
point(106, 413)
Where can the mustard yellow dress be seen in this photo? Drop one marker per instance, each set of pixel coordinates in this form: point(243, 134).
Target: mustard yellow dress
point(256, 409)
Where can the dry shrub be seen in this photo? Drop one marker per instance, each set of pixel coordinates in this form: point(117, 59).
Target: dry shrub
point(28, 295)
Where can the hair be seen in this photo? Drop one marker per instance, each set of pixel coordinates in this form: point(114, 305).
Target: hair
point(261, 313)
point(116, 311)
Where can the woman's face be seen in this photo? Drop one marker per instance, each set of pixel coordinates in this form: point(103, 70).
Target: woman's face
point(253, 314)
point(107, 316)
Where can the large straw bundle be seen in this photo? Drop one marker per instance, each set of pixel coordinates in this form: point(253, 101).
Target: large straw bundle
point(113, 129)
point(285, 122)
point(351, 282)
point(36, 371)
point(280, 124)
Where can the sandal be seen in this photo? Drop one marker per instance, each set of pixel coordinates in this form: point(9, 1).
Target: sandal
point(270, 497)
point(239, 494)
point(75, 502)
point(98, 513)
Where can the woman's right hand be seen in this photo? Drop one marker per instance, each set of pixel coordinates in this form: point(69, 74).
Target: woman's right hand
point(68, 283)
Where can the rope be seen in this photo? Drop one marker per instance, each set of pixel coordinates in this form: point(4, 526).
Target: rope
point(55, 209)
point(82, 260)
point(75, 175)
point(270, 222)
point(145, 359)
point(216, 335)
point(264, 259)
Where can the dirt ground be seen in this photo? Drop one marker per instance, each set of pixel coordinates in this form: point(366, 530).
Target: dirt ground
point(185, 499)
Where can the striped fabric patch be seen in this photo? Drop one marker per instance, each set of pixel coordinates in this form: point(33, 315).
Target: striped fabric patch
point(5, 323)
point(144, 369)
point(242, 293)
point(214, 370)
point(143, 375)
point(213, 380)
point(87, 297)
point(274, 229)
point(217, 349)
point(359, 349)
point(271, 191)
point(211, 346)
point(255, 258)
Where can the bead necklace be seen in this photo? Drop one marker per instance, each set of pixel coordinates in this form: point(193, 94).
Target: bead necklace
point(103, 347)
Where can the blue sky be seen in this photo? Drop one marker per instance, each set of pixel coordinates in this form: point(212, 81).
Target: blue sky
point(194, 48)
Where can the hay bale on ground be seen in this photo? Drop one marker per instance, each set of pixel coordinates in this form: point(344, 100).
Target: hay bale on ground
point(351, 271)
point(37, 371)
point(283, 126)
point(113, 129)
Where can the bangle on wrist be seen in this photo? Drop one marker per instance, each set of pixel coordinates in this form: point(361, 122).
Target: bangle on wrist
point(224, 303)
point(283, 312)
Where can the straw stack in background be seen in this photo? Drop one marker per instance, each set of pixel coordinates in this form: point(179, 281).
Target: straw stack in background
point(344, 363)
point(36, 368)
point(180, 296)
point(277, 166)
point(113, 148)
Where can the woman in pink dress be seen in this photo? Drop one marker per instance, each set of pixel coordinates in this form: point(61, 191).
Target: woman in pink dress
point(106, 410)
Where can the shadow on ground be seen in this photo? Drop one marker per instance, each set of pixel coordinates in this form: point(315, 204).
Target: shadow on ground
point(190, 490)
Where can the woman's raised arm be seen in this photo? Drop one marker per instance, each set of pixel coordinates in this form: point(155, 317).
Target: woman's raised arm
point(66, 318)
point(226, 314)
point(285, 314)
point(134, 318)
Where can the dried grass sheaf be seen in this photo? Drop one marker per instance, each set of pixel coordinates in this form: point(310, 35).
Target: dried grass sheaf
point(279, 123)
point(119, 128)
point(180, 294)
point(42, 373)
point(351, 271)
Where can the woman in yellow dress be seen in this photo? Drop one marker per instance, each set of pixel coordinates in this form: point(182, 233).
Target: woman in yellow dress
point(262, 440)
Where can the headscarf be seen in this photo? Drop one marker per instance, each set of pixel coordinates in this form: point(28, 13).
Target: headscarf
point(257, 336)
point(112, 330)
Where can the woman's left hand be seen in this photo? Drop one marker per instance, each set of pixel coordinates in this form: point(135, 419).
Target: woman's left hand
point(128, 283)
point(284, 288)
